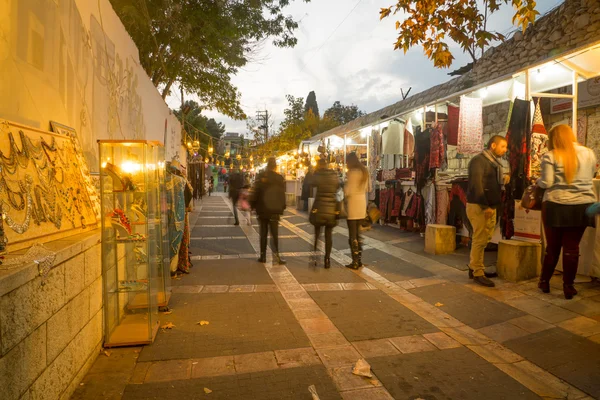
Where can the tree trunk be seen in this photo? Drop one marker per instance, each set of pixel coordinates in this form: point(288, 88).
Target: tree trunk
point(167, 88)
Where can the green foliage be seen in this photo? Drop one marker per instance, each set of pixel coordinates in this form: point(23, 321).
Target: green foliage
point(201, 44)
point(311, 104)
point(430, 23)
point(341, 114)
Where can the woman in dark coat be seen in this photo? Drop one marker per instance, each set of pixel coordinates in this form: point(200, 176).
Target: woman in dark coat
point(325, 208)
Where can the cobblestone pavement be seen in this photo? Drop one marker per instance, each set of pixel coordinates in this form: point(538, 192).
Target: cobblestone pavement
point(425, 329)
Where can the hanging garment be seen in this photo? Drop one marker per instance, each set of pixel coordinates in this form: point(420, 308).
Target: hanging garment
point(393, 139)
point(374, 161)
point(470, 126)
point(593, 135)
point(383, 200)
point(453, 116)
point(442, 201)
point(398, 194)
point(539, 144)
point(457, 214)
point(409, 139)
point(406, 201)
point(429, 200)
point(518, 137)
point(422, 154)
point(581, 129)
point(437, 151)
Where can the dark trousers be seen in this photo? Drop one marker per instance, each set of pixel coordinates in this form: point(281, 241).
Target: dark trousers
point(328, 239)
point(234, 200)
point(354, 231)
point(266, 225)
point(568, 240)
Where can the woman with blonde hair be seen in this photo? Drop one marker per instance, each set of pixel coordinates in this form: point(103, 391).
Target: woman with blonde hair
point(567, 172)
point(355, 191)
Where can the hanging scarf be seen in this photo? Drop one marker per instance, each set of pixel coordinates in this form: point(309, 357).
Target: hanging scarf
point(494, 160)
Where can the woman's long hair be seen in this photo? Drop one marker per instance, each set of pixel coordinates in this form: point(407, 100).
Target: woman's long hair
point(562, 142)
point(353, 162)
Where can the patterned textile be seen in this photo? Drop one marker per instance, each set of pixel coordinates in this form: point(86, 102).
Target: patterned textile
point(470, 126)
point(403, 173)
point(397, 204)
point(581, 129)
point(453, 117)
point(437, 150)
point(593, 134)
point(388, 174)
point(539, 143)
point(184, 263)
point(442, 201)
point(415, 207)
point(383, 202)
point(374, 161)
point(457, 214)
point(175, 186)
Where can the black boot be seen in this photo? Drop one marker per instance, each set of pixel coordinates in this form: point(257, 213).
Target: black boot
point(262, 258)
point(354, 247)
point(327, 263)
point(277, 258)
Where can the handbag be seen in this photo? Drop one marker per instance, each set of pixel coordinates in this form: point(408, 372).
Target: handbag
point(532, 198)
point(341, 212)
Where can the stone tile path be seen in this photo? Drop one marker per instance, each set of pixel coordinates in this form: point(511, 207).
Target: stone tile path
point(426, 330)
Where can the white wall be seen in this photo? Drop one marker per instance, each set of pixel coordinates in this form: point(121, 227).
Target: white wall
point(73, 62)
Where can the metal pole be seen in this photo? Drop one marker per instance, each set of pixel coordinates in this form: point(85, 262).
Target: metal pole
point(344, 168)
point(575, 102)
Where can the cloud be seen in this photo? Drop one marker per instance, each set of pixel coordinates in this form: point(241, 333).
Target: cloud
point(356, 65)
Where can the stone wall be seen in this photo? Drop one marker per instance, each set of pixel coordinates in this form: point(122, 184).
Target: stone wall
point(51, 329)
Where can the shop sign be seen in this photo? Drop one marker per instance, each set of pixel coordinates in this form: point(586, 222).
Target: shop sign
point(528, 224)
point(589, 95)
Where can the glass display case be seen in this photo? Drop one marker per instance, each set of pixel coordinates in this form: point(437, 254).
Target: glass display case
point(132, 240)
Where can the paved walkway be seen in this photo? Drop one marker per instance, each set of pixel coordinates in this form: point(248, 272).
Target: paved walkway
point(246, 330)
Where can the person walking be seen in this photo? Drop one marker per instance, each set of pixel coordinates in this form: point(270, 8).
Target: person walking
point(325, 210)
point(355, 191)
point(484, 196)
point(236, 181)
point(567, 172)
point(307, 188)
point(210, 184)
point(269, 203)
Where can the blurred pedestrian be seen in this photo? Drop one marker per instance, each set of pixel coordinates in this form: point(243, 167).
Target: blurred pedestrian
point(325, 209)
point(236, 182)
point(355, 190)
point(269, 203)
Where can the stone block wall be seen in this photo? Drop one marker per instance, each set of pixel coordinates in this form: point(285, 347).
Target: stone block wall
point(51, 329)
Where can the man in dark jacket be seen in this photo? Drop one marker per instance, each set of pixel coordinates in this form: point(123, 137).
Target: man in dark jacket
point(269, 203)
point(484, 195)
point(236, 181)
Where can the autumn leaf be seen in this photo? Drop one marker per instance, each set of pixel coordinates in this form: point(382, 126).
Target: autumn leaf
point(438, 304)
point(207, 390)
point(202, 323)
point(107, 353)
point(168, 325)
point(168, 312)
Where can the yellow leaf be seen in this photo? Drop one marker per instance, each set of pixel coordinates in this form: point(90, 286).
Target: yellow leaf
point(207, 390)
point(438, 304)
point(202, 323)
point(168, 312)
point(168, 325)
point(107, 353)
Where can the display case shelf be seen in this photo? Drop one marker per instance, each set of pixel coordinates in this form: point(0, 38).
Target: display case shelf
point(132, 257)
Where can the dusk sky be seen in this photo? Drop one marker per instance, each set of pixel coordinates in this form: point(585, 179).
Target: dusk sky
point(355, 63)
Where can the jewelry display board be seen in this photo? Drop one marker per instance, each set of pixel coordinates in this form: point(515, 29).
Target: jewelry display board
point(45, 194)
point(132, 240)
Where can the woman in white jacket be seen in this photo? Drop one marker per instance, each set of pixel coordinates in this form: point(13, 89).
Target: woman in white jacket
point(355, 191)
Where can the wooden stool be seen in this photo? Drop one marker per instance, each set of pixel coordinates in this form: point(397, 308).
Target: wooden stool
point(518, 261)
point(440, 239)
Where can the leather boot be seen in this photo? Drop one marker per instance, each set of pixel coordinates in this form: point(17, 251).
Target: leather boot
point(277, 258)
point(262, 258)
point(569, 291)
point(544, 286)
point(354, 248)
point(327, 263)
